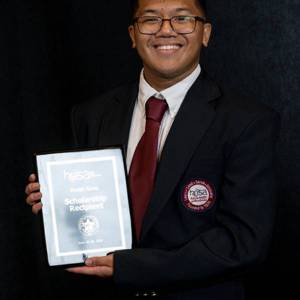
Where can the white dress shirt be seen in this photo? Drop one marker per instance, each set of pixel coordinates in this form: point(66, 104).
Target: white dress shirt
point(173, 95)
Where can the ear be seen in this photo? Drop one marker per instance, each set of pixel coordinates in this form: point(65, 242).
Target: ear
point(206, 34)
point(131, 32)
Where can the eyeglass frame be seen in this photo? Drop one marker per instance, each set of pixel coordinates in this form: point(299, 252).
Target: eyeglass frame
point(197, 18)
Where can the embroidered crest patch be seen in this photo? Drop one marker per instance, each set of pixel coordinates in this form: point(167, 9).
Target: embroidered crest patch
point(198, 195)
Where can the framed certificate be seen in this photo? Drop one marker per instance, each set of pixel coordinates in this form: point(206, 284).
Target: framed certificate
point(85, 204)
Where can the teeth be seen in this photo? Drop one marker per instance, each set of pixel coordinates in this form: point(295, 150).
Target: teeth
point(168, 47)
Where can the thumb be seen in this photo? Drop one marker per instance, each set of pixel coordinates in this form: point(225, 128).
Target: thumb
point(32, 178)
point(99, 261)
point(89, 262)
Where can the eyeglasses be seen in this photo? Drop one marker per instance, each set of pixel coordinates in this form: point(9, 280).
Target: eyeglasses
point(180, 24)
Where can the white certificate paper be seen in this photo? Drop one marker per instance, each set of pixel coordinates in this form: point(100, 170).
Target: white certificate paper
point(85, 204)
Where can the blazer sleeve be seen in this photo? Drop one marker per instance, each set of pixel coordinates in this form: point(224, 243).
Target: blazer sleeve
point(80, 124)
point(244, 224)
point(74, 126)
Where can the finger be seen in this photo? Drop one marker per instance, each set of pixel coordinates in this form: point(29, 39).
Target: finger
point(100, 261)
point(37, 207)
point(96, 271)
point(33, 198)
point(32, 187)
point(32, 178)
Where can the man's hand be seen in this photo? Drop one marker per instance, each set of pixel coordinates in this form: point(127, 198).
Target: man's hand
point(97, 266)
point(33, 193)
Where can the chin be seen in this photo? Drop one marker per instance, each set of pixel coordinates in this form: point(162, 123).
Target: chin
point(170, 73)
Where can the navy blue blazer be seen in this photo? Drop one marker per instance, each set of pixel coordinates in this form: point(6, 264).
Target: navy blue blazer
point(212, 210)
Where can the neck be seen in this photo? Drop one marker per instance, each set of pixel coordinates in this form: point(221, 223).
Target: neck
point(160, 82)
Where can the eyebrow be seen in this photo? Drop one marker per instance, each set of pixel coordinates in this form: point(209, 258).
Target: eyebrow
point(183, 10)
point(177, 10)
point(149, 11)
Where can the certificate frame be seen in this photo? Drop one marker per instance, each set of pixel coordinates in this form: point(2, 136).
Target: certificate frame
point(94, 237)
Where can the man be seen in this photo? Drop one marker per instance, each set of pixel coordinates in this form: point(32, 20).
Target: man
point(203, 211)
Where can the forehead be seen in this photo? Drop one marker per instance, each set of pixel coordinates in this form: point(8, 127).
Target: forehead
point(164, 6)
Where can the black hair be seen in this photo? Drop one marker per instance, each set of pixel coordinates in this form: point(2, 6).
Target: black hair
point(134, 6)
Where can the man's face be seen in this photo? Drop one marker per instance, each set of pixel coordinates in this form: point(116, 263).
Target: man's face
point(167, 54)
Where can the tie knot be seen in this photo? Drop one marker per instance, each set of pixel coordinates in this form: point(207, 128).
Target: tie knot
point(155, 109)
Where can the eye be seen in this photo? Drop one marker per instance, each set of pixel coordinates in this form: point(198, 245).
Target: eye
point(149, 20)
point(182, 19)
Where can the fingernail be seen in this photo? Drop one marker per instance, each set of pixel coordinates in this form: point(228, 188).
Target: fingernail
point(89, 262)
point(37, 196)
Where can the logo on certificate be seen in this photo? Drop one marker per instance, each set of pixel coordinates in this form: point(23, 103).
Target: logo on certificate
point(88, 225)
point(198, 195)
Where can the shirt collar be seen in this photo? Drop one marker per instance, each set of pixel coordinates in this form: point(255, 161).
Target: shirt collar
point(174, 95)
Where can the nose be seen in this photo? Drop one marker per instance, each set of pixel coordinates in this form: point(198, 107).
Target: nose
point(166, 28)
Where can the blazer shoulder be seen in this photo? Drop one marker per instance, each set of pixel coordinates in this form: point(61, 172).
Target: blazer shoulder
point(98, 105)
point(236, 113)
point(242, 107)
point(87, 117)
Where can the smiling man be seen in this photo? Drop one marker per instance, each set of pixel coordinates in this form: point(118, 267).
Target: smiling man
point(200, 165)
point(168, 36)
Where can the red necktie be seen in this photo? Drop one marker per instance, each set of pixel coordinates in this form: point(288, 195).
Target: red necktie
point(143, 166)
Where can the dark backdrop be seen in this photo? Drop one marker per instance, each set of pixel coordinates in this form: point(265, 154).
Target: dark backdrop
point(54, 54)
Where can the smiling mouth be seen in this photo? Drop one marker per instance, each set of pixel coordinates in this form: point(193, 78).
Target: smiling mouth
point(168, 48)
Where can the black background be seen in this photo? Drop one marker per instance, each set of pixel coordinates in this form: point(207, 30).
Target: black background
point(54, 54)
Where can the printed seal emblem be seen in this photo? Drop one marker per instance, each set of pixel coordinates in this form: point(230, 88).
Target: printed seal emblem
point(198, 195)
point(88, 225)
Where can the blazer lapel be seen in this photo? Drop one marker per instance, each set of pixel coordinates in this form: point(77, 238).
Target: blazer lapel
point(192, 121)
point(116, 125)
